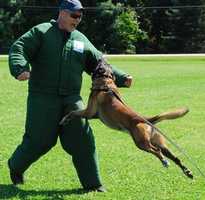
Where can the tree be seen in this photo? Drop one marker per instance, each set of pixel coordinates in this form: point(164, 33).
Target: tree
point(128, 33)
point(44, 11)
point(113, 28)
point(10, 23)
point(200, 40)
point(172, 30)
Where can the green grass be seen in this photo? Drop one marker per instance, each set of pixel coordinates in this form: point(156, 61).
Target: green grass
point(160, 84)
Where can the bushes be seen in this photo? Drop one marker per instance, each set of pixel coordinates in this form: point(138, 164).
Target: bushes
point(128, 33)
point(114, 29)
point(10, 24)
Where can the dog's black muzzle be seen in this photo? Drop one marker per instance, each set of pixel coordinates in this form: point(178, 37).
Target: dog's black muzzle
point(103, 69)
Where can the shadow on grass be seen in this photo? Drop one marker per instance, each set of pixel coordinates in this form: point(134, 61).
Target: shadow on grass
point(10, 191)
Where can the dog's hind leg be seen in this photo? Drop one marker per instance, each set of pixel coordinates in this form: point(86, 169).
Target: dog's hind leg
point(166, 152)
point(141, 137)
point(155, 151)
point(159, 141)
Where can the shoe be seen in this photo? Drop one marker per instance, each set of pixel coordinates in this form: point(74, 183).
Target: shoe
point(96, 189)
point(16, 177)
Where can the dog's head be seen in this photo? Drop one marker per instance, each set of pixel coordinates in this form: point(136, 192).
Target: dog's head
point(102, 70)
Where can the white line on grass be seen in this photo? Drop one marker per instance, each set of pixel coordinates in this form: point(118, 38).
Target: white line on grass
point(142, 55)
point(153, 55)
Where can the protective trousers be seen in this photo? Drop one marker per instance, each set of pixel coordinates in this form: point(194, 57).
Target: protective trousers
point(44, 111)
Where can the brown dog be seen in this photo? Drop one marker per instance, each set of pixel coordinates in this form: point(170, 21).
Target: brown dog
point(105, 102)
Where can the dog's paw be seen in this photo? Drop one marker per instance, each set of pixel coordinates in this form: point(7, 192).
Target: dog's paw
point(66, 119)
point(165, 163)
point(188, 173)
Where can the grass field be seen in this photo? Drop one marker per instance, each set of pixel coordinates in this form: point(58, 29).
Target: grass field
point(160, 83)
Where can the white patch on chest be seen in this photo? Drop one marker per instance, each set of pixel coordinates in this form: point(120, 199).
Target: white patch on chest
point(78, 46)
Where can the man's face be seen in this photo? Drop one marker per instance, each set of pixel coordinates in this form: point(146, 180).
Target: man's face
point(71, 19)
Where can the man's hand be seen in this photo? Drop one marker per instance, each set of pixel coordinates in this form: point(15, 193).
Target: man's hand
point(128, 81)
point(24, 76)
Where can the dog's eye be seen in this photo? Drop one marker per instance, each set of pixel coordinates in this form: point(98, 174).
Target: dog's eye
point(101, 70)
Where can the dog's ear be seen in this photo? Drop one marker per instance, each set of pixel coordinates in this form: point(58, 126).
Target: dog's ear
point(92, 64)
point(113, 77)
point(105, 62)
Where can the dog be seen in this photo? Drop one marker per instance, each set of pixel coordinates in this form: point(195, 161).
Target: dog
point(105, 102)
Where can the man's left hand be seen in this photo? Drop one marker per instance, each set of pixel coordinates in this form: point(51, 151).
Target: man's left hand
point(128, 81)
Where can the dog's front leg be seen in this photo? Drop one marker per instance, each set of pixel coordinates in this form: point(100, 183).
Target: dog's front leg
point(70, 116)
point(88, 113)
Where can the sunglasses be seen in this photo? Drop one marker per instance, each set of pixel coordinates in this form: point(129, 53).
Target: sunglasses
point(74, 15)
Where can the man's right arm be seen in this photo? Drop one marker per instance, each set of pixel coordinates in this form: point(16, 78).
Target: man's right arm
point(22, 52)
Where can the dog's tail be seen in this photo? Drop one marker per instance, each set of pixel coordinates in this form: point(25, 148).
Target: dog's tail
point(180, 112)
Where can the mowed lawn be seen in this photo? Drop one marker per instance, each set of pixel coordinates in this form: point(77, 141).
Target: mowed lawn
point(160, 84)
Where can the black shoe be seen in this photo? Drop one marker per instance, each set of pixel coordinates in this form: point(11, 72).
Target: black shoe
point(96, 189)
point(16, 177)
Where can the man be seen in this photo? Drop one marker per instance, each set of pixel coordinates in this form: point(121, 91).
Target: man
point(58, 54)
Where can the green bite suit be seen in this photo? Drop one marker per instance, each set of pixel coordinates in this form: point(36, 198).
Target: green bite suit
point(57, 60)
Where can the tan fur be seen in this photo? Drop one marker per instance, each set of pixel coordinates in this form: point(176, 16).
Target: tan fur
point(105, 100)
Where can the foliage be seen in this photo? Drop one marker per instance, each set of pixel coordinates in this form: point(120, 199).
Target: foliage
point(115, 28)
point(44, 12)
point(102, 21)
point(173, 30)
point(128, 33)
point(185, 28)
point(11, 21)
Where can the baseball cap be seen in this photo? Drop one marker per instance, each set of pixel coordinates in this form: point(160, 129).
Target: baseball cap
point(71, 5)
